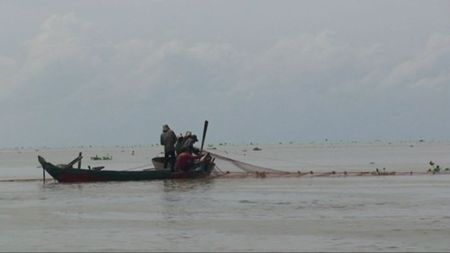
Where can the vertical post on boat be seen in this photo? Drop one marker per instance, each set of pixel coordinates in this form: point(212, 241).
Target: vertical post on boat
point(205, 128)
point(43, 174)
point(79, 160)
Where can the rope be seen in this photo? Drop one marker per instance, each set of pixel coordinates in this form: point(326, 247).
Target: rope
point(20, 180)
point(311, 174)
point(218, 172)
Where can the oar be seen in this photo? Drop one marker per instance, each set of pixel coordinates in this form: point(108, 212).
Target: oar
point(205, 128)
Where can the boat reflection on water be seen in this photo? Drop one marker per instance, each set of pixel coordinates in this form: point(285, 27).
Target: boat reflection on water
point(186, 185)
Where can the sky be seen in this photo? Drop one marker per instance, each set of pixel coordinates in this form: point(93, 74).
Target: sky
point(112, 72)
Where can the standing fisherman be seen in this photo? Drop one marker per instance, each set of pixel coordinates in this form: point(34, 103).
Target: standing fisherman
point(168, 139)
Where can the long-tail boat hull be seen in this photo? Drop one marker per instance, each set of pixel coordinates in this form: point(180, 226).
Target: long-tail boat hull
point(71, 175)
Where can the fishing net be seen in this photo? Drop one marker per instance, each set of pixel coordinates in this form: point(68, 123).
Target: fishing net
point(232, 168)
point(246, 167)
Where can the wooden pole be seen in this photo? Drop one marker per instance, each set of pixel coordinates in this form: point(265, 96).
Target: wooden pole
point(205, 128)
point(43, 174)
point(79, 161)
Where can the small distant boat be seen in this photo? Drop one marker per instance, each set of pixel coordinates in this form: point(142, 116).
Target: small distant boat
point(107, 157)
point(67, 174)
point(96, 157)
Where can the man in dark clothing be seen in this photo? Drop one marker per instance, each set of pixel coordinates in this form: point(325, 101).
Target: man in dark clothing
point(179, 144)
point(168, 139)
point(189, 144)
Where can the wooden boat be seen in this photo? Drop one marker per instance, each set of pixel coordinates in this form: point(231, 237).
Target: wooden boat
point(158, 162)
point(66, 173)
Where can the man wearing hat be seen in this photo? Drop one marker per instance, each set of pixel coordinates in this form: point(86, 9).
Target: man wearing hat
point(189, 144)
point(168, 139)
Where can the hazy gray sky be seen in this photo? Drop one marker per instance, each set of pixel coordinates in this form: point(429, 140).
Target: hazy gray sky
point(112, 72)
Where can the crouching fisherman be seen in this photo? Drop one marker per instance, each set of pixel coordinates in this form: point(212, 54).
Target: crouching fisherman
point(187, 161)
point(189, 142)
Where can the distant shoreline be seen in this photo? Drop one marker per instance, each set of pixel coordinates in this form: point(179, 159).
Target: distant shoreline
point(224, 144)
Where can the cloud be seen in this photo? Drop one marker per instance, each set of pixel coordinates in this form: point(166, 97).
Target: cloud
point(66, 46)
point(66, 73)
point(8, 65)
point(65, 59)
point(428, 69)
point(55, 61)
point(311, 70)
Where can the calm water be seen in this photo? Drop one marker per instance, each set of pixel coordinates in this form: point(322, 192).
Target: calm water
point(393, 213)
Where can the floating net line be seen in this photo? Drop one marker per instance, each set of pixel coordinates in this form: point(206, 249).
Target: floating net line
point(311, 174)
point(251, 170)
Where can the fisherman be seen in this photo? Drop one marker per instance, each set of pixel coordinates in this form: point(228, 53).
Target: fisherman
point(189, 144)
point(168, 139)
point(179, 144)
point(187, 160)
